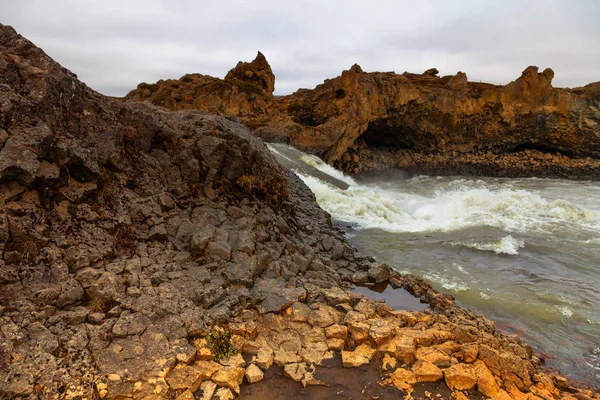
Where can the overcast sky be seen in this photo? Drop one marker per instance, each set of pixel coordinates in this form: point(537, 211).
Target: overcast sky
point(113, 45)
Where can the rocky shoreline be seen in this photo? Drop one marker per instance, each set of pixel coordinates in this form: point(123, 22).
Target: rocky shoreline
point(364, 161)
point(153, 254)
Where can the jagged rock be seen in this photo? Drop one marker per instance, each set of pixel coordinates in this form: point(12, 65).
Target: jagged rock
point(360, 356)
point(258, 72)
point(184, 377)
point(434, 356)
point(254, 374)
point(381, 330)
point(223, 394)
point(336, 332)
point(207, 368)
point(264, 358)
point(401, 346)
point(208, 389)
point(388, 362)
point(403, 379)
point(230, 377)
point(460, 376)
point(130, 232)
point(283, 357)
point(426, 372)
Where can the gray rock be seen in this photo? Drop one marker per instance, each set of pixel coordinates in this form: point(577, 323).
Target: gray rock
point(70, 293)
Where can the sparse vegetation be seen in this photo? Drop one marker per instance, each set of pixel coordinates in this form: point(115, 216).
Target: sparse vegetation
point(252, 185)
point(96, 305)
point(220, 343)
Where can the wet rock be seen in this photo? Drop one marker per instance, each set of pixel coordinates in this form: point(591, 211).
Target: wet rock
point(379, 273)
point(388, 363)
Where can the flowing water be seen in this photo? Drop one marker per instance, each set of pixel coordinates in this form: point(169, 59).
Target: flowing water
point(524, 252)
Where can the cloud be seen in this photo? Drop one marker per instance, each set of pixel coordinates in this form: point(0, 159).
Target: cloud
point(113, 45)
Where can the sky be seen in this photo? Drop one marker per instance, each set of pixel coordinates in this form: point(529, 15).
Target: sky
point(114, 45)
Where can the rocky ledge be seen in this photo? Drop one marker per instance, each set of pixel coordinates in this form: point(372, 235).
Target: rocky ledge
point(419, 123)
point(152, 254)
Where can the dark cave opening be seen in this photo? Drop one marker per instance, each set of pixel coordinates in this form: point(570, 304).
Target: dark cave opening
point(542, 148)
point(380, 133)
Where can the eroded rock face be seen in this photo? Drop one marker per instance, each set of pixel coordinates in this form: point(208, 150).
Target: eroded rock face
point(363, 122)
point(246, 92)
point(128, 230)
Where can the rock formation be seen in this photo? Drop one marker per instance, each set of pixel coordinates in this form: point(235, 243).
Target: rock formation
point(144, 249)
point(394, 120)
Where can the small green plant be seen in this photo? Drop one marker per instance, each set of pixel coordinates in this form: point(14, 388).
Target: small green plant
point(220, 344)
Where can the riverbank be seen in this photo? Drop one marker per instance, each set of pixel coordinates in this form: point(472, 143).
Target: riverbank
point(366, 161)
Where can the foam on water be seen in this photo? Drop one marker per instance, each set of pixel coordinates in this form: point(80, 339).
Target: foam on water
point(447, 283)
point(326, 168)
point(517, 211)
point(566, 311)
point(506, 245)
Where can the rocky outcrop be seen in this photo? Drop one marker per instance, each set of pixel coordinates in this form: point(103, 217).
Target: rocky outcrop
point(246, 92)
point(143, 250)
point(128, 230)
point(429, 116)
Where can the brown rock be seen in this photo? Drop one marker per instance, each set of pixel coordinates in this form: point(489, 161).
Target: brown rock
point(264, 358)
point(335, 344)
point(381, 330)
point(283, 357)
point(254, 374)
point(460, 376)
point(426, 372)
point(230, 377)
point(403, 379)
point(184, 377)
point(360, 356)
point(207, 368)
point(336, 332)
point(433, 356)
point(401, 346)
point(388, 363)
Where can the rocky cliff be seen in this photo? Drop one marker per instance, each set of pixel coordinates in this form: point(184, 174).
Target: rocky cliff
point(144, 250)
point(371, 121)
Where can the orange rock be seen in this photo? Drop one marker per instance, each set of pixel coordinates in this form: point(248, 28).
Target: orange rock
point(360, 356)
point(460, 376)
point(426, 372)
point(403, 379)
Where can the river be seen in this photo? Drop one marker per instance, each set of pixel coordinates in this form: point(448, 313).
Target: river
point(524, 252)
